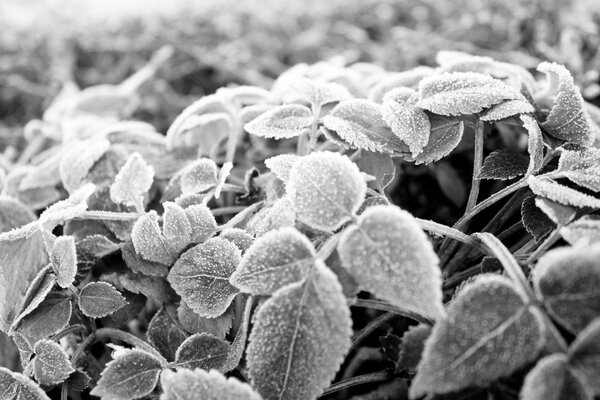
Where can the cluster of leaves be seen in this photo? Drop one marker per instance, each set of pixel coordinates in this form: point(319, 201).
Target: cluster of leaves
point(238, 242)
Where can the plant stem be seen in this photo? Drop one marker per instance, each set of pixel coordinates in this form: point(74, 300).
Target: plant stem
point(383, 306)
point(373, 377)
point(228, 210)
point(549, 241)
point(370, 328)
point(477, 163)
point(448, 232)
point(68, 331)
point(108, 216)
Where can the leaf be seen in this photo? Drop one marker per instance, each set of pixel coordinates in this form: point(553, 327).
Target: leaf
point(199, 176)
point(202, 221)
point(274, 260)
point(360, 123)
point(149, 241)
point(554, 379)
point(561, 194)
point(445, 135)
point(19, 387)
point(407, 121)
point(325, 189)
point(177, 228)
point(99, 299)
point(49, 317)
point(503, 164)
point(567, 279)
point(381, 166)
point(450, 183)
point(406, 353)
point(63, 256)
point(132, 182)
point(132, 374)
point(78, 160)
point(318, 93)
point(13, 214)
point(489, 333)
point(164, 334)
point(193, 323)
point(37, 291)
point(139, 265)
point(300, 337)
point(558, 213)
point(390, 256)
point(567, 119)
point(458, 93)
point(279, 215)
point(206, 385)
point(236, 350)
point(281, 165)
point(51, 365)
point(242, 239)
point(201, 276)
point(282, 122)
point(535, 221)
point(586, 230)
point(584, 353)
point(393, 80)
point(79, 381)
point(202, 350)
point(507, 109)
point(72, 207)
point(153, 287)
point(535, 144)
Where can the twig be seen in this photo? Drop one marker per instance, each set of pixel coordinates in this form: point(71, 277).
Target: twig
point(477, 163)
point(373, 377)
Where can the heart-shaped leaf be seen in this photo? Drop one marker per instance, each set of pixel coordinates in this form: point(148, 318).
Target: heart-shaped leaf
point(99, 299)
point(202, 350)
point(51, 365)
point(554, 379)
point(206, 385)
point(282, 122)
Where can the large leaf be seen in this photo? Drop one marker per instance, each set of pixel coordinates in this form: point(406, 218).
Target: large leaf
point(51, 365)
point(389, 255)
point(282, 122)
point(206, 385)
point(326, 189)
point(554, 379)
point(300, 337)
point(489, 333)
point(202, 350)
point(199, 176)
point(584, 355)
point(15, 386)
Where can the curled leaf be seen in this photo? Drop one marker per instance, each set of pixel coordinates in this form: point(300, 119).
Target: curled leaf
point(282, 122)
point(561, 194)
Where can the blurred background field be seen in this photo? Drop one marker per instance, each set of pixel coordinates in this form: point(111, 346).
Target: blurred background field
point(45, 44)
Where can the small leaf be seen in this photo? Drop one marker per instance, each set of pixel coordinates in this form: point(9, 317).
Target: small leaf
point(503, 164)
point(199, 176)
point(457, 93)
point(202, 350)
point(559, 214)
point(279, 215)
point(51, 365)
point(132, 182)
point(567, 279)
point(584, 353)
point(193, 323)
point(132, 374)
point(201, 276)
point(206, 385)
point(177, 228)
point(561, 194)
point(13, 214)
point(326, 189)
point(78, 160)
point(282, 122)
point(202, 221)
point(535, 144)
point(381, 166)
point(507, 109)
point(446, 134)
point(274, 260)
point(99, 299)
point(535, 221)
point(242, 239)
point(584, 230)
point(305, 326)
point(149, 241)
point(390, 256)
point(64, 259)
point(407, 121)
point(15, 386)
point(281, 165)
point(489, 333)
point(164, 334)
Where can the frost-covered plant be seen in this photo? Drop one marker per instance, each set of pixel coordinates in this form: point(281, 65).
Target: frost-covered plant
point(247, 240)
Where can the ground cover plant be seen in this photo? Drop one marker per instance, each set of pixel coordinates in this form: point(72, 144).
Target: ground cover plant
point(348, 231)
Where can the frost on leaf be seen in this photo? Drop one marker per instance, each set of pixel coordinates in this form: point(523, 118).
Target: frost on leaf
point(236, 350)
point(78, 160)
point(406, 120)
point(568, 119)
point(37, 291)
point(202, 350)
point(535, 221)
point(199, 176)
point(318, 93)
point(567, 279)
point(186, 384)
point(279, 215)
point(165, 334)
point(13, 214)
point(63, 256)
point(274, 260)
point(581, 167)
point(558, 213)
point(52, 314)
point(149, 241)
point(507, 109)
point(14, 385)
point(202, 221)
point(584, 353)
point(561, 194)
point(489, 333)
point(132, 182)
point(446, 133)
point(281, 165)
point(65, 210)
point(381, 166)
point(99, 299)
point(132, 374)
point(405, 79)
point(51, 364)
point(458, 93)
point(300, 337)
point(535, 144)
point(242, 239)
point(503, 164)
point(325, 189)
point(584, 230)
point(201, 276)
point(193, 323)
point(177, 228)
point(282, 122)
point(360, 123)
point(390, 256)
point(553, 378)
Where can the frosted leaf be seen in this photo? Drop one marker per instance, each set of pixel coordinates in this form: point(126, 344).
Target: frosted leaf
point(137, 264)
point(65, 210)
point(24, 347)
point(567, 279)
point(445, 135)
point(554, 379)
point(224, 173)
point(507, 109)
point(132, 374)
point(199, 176)
point(201, 276)
point(274, 260)
point(558, 213)
point(535, 221)
point(206, 385)
point(205, 131)
point(153, 287)
point(51, 365)
point(63, 256)
point(561, 194)
point(165, 334)
point(568, 119)
point(149, 241)
point(13, 214)
point(390, 256)
point(236, 350)
point(360, 123)
point(14, 385)
point(325, 189)
point(246, 94)
point(282, 122)
point(202, 350)
point(132, 182)
point(458, 93)
point(413, 342)
point(239, 237)
point(279, 215)
point(305, 326)
point(489, 333)
point(381, 166)
point(193, 323)
point(177, 228)
point(407, 121)
point(588, 178)
point(586, 230)
point(584, 353)
point(317, 93)
point(99, 299)
point(52, 315)
point(37, 291)
point(281, 165)
point(394, 80)
point(535, 144)
point(202, 221)
point(503, 164)
point(78, 160)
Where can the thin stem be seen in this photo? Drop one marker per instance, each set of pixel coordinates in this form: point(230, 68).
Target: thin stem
point(108, 216)
point(370, 328)
point(228, 210)
point(228, 187)
point(329, 246)
point(477, 163)
point(64, 394)
point(448, 232)
point(373, 377)
point(383, 306)
point(68, 331)
point(549, 241)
